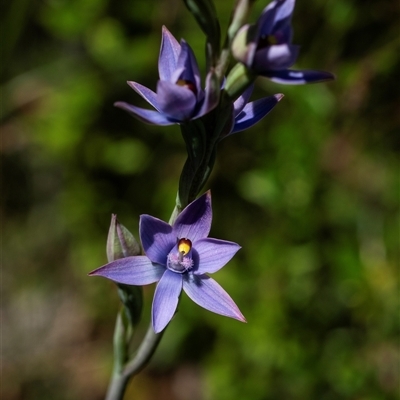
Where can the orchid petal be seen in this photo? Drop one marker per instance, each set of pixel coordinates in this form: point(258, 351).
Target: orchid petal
point(157, 238)
point(190, 70)
point(208, 294)
point(135, 270)
point(242, 100)
point(177, 102)
point(213, 254)
point(275, 57)
point(146, 93)
point(276, 15)
point(194, 222)
point(169, 53)
point(300, 77)
point(212, 93)
point(254, 112)
point(144, 115)
point(166, 299)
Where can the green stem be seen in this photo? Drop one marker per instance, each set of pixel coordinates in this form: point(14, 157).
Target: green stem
point(120, 378)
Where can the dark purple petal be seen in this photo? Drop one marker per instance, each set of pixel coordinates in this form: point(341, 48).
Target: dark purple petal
point(275, 16)
point(292, 77)
point(254, 112)
point(157, 238)
point(213, 254)
point(144, 115)
point(135, 270)
point(194, 222)
point(240, 103)
point(146, 93)
point(166, 299)
point(169, 53)
point(208, 294)
point(276, 57)
point(177, 102)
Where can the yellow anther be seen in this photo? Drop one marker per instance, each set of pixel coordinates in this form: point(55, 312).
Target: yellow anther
point(184, 246)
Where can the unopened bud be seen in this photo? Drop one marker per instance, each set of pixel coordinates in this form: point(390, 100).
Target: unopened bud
point(120, 242)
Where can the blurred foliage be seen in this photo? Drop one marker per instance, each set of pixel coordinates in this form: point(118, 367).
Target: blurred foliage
point(311, 194)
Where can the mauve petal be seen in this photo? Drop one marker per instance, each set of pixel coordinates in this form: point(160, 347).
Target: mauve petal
point(213, 254)
point(166, 299)
point(135, 270)
point(169, 53)
point(254, 112)
point(292, 77)
point(275, 57)
point(144, 115)
point(194, 222)
point(242, 100)
point(177, 102)
point(146, 93)
point(208, 294)
point(157, 238)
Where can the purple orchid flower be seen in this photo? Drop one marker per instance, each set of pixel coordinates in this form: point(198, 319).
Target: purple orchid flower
point(179, 96)
point(266, 47)
point(178, 257)
point(246, 114)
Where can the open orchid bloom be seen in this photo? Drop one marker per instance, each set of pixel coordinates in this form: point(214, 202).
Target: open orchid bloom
point(178, 257)
point(247, 113)
point(179, 96)
point(266, 47)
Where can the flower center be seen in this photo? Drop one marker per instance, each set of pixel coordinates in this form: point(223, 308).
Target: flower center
point(187, 84)
point(179, 259)
point(267, 40)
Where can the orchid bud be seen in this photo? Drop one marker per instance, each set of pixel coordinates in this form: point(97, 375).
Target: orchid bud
point(206, 16)
point(120, 242)
point(238, 80)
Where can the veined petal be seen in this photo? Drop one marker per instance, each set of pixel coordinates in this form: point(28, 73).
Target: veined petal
point(254, 112)
point(157, 238)
point(213, 254)
point(166, 299)
point(300, 77)
point(135, 270)
point(275, 57)
point(177, 102)
point(144, 115)
point(242, 100)
point(169, 53)
point(146, 93)
point(194, 222)
point(208, 294)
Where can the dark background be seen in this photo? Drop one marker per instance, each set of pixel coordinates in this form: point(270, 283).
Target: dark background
point(311, 194)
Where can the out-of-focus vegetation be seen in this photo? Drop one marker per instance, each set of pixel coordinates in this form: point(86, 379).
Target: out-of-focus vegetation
point(311, 194)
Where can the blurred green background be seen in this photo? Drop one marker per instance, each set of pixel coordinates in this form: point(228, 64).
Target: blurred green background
point(311, 193)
